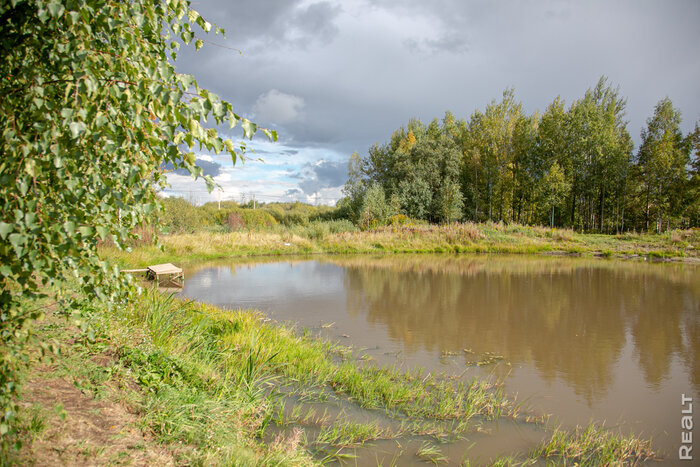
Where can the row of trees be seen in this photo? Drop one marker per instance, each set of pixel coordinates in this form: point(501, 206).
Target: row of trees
point(570, 166)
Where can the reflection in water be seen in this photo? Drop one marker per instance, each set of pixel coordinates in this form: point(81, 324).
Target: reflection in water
point(569, 320)
point(607, 339)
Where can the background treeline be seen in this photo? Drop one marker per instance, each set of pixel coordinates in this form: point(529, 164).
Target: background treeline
point(572, 167)
point(180, 216)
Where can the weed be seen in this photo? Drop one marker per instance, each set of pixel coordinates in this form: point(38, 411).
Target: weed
point(345, 434)
point(431, 453)
point(593, 445)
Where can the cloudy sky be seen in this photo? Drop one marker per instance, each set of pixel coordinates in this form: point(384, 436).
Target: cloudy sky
point(333, 77)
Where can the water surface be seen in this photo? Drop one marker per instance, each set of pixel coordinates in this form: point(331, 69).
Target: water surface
point(581, 339)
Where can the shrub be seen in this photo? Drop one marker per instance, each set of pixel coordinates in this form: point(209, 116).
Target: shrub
point(249, 219)
point(179, 216)
point(375, 209)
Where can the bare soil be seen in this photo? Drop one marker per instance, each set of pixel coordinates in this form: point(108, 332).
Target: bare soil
point(73, 427)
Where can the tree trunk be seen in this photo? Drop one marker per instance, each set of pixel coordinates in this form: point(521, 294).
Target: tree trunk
point(623, 216)
point(515, 189)
point(476, 194)
point(573, 207)
point(500, 203)
point(490, 202)
point(646, 214)
point(552, 224)
point(602, 207)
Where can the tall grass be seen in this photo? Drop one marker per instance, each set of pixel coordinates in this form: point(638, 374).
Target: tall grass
point(201, 392)
point(213, 376)
point(341, 236)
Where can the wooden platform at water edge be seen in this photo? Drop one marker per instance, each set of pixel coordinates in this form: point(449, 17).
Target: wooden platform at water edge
point(169, 272)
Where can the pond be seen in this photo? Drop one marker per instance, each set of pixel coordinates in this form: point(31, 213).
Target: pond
point(580, 339)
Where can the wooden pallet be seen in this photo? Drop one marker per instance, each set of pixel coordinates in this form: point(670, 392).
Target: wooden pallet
point(170, 272)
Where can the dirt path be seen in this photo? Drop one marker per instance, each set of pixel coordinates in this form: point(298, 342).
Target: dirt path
point(74, 415)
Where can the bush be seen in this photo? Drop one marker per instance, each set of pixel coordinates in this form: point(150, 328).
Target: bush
point(249, 219)
point(179, 216)
point(91, 111)
point(317, 230)
point(375, 209)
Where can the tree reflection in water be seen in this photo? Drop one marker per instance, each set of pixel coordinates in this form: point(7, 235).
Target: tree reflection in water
point(570, 319)
point(608, 340)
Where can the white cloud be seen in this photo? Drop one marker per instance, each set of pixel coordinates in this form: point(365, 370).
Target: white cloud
point(327, 196)
point(277, 107)
point(283, 173)
point(205, 157)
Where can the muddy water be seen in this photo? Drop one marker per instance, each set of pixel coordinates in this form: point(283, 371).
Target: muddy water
point(580, 339)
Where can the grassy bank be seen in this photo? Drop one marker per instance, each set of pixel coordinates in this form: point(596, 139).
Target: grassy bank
point(457, 238)
point(172, 382)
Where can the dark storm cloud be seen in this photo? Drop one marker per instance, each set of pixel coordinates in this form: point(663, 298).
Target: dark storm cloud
point(330, 173)
point(208, 168)
point(453, 44)
point(322, 174)
point(351, 72)
point(280, 23)
point(316, 22)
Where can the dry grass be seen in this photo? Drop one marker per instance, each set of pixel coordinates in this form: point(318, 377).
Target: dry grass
point(452, 238)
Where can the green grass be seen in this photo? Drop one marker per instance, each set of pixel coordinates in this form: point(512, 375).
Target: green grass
point(211, 384)
point(347, 433)
point(429, 452)
point(209, 367)
point(593, 445)
point(202, 354)
point(253, 355)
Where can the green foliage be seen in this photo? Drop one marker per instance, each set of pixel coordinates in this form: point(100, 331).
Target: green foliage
point(415, 197)
point(449, 202)
point(375, 210)
point(91, 109)
point(553, 190)
point(569, 167)
point(693, 193)
point(354, 189)
point(318, 230)
point(230, 216)
point(297, 213)
point(179, 216)
point(249, 219)
point(662, 159)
